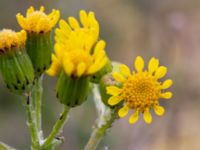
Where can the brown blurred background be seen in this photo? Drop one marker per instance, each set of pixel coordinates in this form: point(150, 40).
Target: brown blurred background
point(166, 29)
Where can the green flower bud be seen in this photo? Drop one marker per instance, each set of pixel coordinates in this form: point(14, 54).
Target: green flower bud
point(104, 82)
point(107, 80)
point(39, 48)
point(72, 91)
point(15, 64)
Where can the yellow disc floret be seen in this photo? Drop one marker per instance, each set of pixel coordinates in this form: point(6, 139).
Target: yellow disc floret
point(10, 38)
point(140, 90)
point(37, 21)
point(77, 48)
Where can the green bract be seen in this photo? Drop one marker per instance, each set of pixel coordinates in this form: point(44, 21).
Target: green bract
point(17, 70)
point(72, 91)
point(39, 48)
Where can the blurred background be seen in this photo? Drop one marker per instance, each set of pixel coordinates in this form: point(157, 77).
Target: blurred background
point(168, 30)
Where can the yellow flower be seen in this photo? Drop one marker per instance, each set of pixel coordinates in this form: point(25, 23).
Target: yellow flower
point(77, 49)
point(37, 21)
point(140, 91)
point(10, 38)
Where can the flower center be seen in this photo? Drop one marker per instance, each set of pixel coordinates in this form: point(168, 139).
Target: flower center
point(10, 38)
point(141, 91)
point(78, 56)
point(38, 19)
point(81, 39)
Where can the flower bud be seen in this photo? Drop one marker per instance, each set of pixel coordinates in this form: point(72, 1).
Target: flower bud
point(72, 91)
point(15, 64)
point(107, 80)
point(38, 26)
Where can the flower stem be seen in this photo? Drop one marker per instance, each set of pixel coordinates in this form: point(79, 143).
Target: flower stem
point(4, 146)
point(37, 95)
point(98, 133)
point(57, 127)
point(106, 118)
point(31, 121)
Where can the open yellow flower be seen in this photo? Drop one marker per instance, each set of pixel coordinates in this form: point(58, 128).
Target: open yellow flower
point(37, 21)
point(77, 49)
point(140, 90)
point(10, 38)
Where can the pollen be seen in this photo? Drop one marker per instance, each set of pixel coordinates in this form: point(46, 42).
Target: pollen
point(78, 50)
point(10, 39)
point(37, 21)
point(141, 90)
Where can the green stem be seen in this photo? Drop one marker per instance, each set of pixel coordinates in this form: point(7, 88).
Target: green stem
point(106, 117)
point(4, 146)
point(99, 132)
point(57, 127)
point(37, 94)
point(31, 122)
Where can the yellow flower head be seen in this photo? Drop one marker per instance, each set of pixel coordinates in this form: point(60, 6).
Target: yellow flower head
point(140, 90)
point(37, 21)
point(10, 38)
point(77, 48)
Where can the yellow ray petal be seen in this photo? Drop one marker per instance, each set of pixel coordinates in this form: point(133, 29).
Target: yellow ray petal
point(73, 23)
point(125, 70)
point(139, 63)
point(59, 51)
point(161, 72)
point(123, 111)
point(65, 27)
point(147, 116)
point(113, 100)
point(98, 65)
point(153, 65)
point(134, 117)
point(159, 110)
point(100, 46)
point(81, 69)
point(166, 95)
point(118, 77)
point(52, 14)
point(22, 21)
point(42, 8)
point(55, 67)
point(91, 17)
point(68, 66)
point(99, 55)
point(29, 10)
point(60, 35)
point(54, 17)
point(113, 90)
point(166, 84)
point(84, 18)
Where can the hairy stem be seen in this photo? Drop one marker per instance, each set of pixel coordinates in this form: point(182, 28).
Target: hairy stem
point(106, 118)
point(31, 121)
point(57, 127)
point(98, 133)
point(37, 95)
